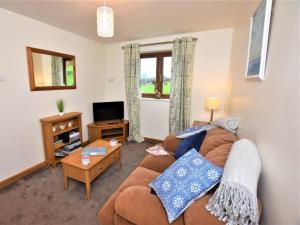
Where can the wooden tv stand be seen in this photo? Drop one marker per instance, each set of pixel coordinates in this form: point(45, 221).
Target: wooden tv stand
point(108, 130)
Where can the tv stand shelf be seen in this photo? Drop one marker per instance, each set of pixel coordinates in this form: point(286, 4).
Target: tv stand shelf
point(108, 131)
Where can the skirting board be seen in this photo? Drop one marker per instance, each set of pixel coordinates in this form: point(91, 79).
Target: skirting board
point(30, 170)
point(41, 165)
point(24, 173)
point(153, 140)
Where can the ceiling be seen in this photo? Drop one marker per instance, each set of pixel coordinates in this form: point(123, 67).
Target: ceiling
point(136, 19)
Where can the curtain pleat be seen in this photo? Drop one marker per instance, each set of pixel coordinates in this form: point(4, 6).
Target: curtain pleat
point(181, 84)
point(132, 79)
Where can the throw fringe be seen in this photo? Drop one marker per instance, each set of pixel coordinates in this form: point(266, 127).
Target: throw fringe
point(235, 204)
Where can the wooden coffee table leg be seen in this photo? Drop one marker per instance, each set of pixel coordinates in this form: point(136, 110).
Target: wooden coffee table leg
point(88, 185)
point(65, 177)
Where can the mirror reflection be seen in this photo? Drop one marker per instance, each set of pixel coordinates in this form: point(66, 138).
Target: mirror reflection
point(50, 70)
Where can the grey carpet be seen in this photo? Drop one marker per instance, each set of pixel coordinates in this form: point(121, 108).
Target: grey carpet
point(39, 199)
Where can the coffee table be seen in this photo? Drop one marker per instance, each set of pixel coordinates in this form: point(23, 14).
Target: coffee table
point(73, 168)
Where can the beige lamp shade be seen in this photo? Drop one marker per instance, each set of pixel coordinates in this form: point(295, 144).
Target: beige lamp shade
point(213, 103)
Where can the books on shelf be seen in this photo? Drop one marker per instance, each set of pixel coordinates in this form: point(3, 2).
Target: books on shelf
point(58, 141)
point(68, 149)
point(94, 150)
point(72, 145)
point(74, 135)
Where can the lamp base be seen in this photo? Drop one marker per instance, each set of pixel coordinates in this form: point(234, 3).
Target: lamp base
point(211, 117)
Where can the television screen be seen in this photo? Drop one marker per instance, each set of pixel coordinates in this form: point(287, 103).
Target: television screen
point(108, 111)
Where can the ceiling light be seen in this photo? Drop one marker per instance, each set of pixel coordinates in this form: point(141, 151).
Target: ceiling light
point(105, 21)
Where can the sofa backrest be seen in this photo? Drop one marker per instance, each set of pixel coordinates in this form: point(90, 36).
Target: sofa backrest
point(217, 144)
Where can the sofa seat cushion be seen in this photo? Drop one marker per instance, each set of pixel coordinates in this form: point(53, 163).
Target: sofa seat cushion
point(137, 205)
point(157, 163)
point(197, 214)
point(140, 176)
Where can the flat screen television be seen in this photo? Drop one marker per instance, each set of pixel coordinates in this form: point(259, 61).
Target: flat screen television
point(108, 111)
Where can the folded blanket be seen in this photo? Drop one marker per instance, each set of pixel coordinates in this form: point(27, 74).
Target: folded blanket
point(235, 200)
point(228, 123)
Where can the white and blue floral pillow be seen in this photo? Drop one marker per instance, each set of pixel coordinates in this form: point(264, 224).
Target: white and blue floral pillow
point(193, 130)
point(186, 180)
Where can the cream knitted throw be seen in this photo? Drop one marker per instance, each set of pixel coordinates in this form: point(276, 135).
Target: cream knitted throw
point(235, 200)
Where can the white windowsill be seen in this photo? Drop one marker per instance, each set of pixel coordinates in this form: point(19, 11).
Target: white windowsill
point(155, 99)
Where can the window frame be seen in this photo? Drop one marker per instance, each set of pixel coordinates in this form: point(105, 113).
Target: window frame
point(159, 73)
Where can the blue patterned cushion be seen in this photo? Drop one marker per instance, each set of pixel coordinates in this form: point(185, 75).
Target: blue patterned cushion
point(188, 143)
point(186, 180)
point(193, 130)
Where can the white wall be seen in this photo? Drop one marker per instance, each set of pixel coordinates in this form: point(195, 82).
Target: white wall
point(269, 112)
point(20, 131)
point(211, 66)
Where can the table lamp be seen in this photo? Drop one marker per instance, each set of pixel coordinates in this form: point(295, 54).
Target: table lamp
point(212, 104)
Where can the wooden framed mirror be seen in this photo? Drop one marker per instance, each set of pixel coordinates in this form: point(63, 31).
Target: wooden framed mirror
point(50, 70)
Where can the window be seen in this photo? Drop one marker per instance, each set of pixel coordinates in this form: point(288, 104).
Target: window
point(155, 78)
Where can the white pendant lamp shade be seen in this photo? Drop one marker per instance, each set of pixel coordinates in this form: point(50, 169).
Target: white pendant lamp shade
point(105, 21)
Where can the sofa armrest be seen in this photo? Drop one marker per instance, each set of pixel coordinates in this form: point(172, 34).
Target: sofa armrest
point(171, 143)
point(138, 206)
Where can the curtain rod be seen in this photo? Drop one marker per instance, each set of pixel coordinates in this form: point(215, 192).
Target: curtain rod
point(160, 43)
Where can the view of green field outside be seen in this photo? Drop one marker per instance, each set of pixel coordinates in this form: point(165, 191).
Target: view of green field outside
point(148, 75)
point(150, 88)
point(167, 88)
point(70, 75)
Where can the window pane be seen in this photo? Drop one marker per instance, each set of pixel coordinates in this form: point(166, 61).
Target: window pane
point(148, 75)
point(167, 75)
point(70, 73)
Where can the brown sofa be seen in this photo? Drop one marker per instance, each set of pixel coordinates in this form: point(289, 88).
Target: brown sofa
point(132, 202)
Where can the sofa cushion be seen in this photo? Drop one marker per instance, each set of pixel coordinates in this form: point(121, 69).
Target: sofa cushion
point(157, 163)
point(189, 143)
point(189, 178)
point(197, 214)
point(215, 138)
point(218, 156)
point(130, 205)
point(140, 176)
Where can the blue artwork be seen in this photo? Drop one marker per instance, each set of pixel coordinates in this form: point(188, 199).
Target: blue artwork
point(258, 40)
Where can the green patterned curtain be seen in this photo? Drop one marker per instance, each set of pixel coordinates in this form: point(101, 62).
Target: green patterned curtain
point(181, 84)
point(57, 71)
point(132, 80)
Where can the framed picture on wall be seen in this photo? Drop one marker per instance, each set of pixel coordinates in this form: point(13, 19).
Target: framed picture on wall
point(258, 40)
